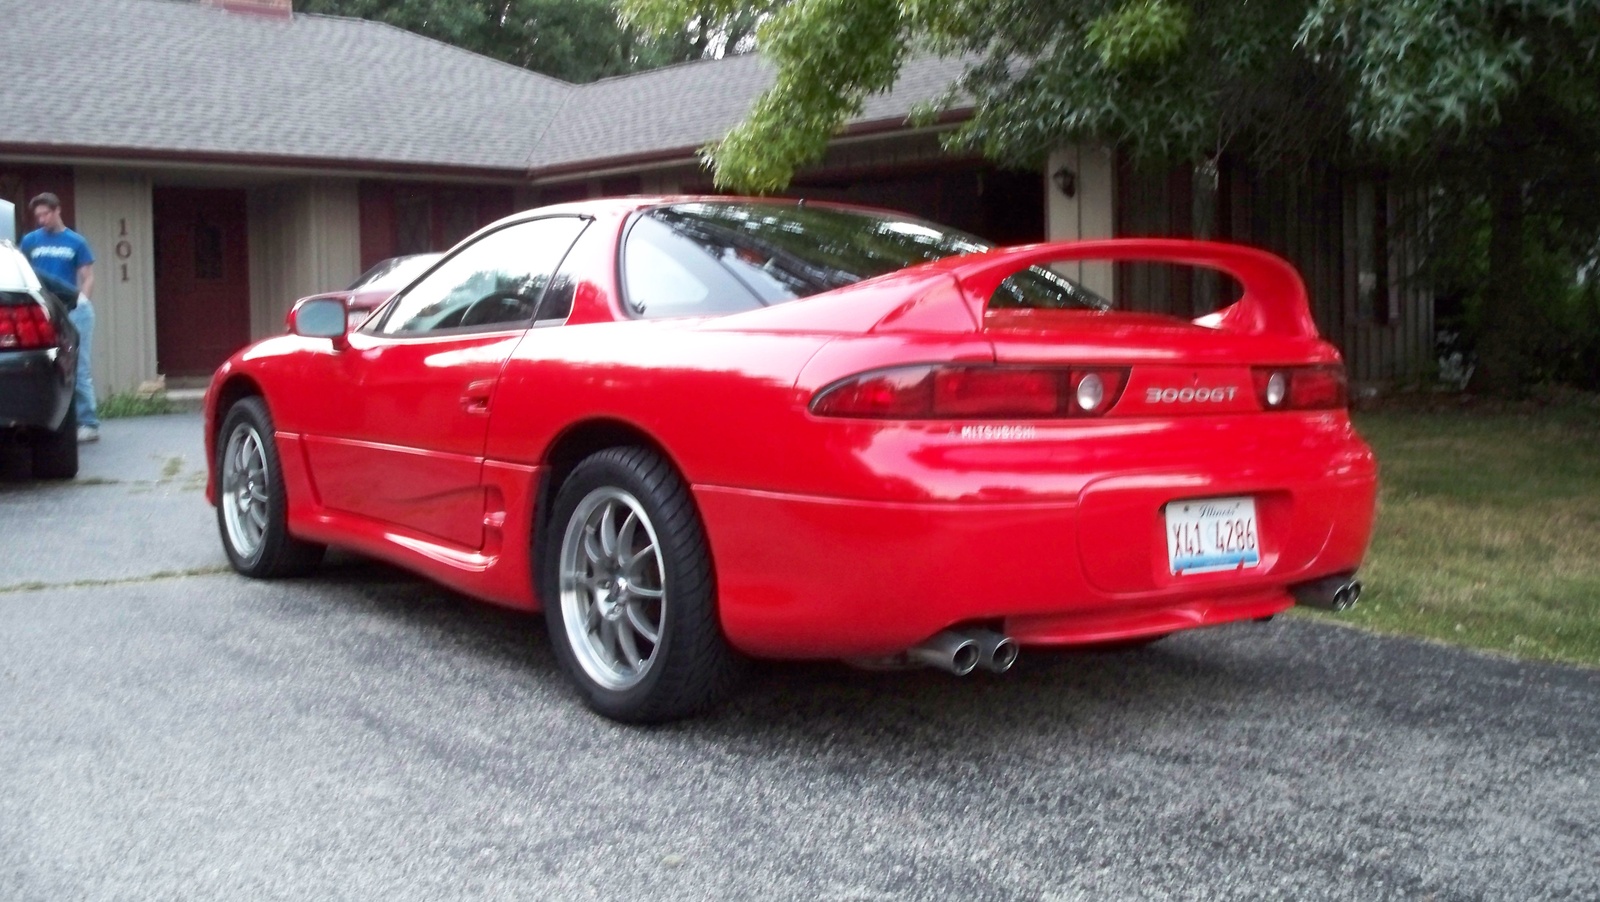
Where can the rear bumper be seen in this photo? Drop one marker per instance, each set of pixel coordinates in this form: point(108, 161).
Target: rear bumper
point(805, 577)
point(35, 389)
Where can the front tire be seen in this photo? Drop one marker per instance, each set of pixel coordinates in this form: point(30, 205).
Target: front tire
point(55, 454)
point(630, 597)
point(252, 506)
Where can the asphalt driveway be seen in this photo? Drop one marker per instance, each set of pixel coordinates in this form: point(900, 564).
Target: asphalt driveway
point(171, 730)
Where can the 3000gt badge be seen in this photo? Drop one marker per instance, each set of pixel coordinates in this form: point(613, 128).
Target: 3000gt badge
point(1218, 394)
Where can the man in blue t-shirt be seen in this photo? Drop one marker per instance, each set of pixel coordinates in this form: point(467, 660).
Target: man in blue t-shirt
point(58, 251)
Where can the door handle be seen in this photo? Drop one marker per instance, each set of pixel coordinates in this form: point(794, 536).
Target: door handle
point(475, 399)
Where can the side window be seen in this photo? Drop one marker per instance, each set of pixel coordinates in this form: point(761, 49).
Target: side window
point(494, 282)
point(666, 273)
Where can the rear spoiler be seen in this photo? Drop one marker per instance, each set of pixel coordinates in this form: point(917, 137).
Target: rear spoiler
point(1274, 301)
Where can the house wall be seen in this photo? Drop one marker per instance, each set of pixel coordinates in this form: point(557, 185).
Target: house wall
point(305, 237)
point(1343, 231)
point(21, 182)
point(114, 214)
point(413, 217)
point(1088, 214)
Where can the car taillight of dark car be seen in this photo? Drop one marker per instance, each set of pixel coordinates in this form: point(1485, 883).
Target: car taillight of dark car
point(25, 325)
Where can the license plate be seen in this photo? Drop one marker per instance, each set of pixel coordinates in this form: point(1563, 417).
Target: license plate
point(1212, 535)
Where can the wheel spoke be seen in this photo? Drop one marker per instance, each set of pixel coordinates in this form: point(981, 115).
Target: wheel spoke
point(258, 518)
point(608, 640)
point(630, 525)
point(608, 529)
point(591, 547)
point(630, 649)
point(631, 565)
point(645, 592)
point(636, 619)
point(591, 612)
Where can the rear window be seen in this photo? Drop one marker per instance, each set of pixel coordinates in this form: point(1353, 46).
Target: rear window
point(711, 258)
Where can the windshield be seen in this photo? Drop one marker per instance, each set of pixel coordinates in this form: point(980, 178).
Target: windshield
point(394, 273)
point(715, 257)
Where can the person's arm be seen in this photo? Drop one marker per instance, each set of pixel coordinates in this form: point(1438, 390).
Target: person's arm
point(86, 279)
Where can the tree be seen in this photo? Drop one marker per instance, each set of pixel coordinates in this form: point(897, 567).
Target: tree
point(1498, 101)
point(1491, 99)
point(574, 40)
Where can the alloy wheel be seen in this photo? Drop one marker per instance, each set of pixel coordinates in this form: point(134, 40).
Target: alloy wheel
point(613, 588)
point(244, 490)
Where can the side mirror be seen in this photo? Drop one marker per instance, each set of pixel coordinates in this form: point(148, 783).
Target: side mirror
point(319, 318)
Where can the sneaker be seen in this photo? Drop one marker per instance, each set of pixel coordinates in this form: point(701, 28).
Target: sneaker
point(88, 434)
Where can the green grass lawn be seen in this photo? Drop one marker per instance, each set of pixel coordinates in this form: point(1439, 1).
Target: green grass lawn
point(1488, 529)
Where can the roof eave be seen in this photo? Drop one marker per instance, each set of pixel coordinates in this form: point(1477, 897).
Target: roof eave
point(872, 128)
point(63, 154)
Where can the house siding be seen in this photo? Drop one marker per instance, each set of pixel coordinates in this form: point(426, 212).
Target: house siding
point(114, 214)
point(1314, 220)
point(305, 237)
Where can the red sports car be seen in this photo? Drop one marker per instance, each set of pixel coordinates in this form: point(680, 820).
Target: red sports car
point(693, 430)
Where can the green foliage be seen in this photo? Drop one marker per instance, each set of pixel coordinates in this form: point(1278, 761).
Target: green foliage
point(1490, 101)
point(1143, 32)
point(133, 404)
point(574, 40)
point(830, 54)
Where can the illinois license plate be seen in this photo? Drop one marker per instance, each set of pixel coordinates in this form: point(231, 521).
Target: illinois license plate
point(1212, 535)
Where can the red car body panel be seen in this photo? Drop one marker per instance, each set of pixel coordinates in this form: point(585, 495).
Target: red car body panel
point(838, 537)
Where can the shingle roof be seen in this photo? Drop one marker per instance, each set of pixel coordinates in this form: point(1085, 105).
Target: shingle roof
point(174, 78)
point(688, 105)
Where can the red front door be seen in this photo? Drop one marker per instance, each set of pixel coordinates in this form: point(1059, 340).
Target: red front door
point(202, 264)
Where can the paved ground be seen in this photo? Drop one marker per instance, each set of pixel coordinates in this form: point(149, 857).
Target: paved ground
point(364, 735)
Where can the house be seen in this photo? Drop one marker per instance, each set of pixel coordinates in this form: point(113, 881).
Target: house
point(225, 157)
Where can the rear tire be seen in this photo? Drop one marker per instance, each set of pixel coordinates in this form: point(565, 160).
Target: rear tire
point(252, 505)
point(55, 454)
point(629, 593)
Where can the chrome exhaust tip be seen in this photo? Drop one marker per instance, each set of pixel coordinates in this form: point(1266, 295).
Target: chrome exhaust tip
point(1333, 593)
point(948, 651)
point(996, 652)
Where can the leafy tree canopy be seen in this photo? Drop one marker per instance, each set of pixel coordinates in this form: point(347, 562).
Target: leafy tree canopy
point(574, 40)
point(1493, 102)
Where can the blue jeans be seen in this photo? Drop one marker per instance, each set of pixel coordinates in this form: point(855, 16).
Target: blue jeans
point(82, 317)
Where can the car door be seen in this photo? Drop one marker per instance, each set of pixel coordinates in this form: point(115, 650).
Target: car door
point(397, 433)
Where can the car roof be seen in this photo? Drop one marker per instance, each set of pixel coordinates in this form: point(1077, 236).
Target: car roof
point(611, 207)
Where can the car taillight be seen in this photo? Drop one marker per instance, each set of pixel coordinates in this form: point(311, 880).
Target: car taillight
point(1300, 387)
point(972, 392)
point(25, 327)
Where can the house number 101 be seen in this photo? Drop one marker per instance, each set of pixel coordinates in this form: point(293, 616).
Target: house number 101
point(124, 248)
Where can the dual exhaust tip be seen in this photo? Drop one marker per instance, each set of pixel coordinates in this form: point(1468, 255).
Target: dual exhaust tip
point(1339, 592)
point(962, 651)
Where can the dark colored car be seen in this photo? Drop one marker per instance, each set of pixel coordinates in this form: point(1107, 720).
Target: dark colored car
point(378, 284)
point(38, 357)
